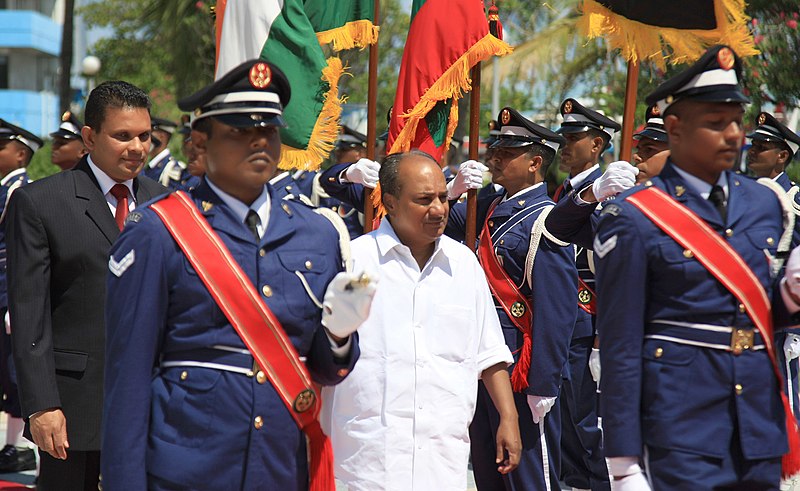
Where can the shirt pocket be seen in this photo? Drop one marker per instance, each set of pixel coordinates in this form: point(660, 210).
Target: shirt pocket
point(451, 337)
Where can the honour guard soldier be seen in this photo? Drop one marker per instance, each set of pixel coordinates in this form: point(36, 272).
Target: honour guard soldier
point(773, 147)
point(652, 140)
point(17, 147)
point(204, 391)
point(68, 147)
point(163, 167)
point(588, 133)
point(690, 384)
point(534, 287)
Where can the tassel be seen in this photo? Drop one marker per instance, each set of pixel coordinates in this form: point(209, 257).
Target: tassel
point(320, 468)
point(790, 464)
point(495, 26)
point(519, 377)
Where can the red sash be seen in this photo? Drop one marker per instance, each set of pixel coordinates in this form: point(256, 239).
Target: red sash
point(723, 262)
point(254, 323)
point(587, 300)
point(513, 302)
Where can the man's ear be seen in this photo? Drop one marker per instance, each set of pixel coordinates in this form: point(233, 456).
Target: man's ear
point(199, 140)
point(672, 124)
point(598, 143)
point(89, 136)
point(389, 202)
point(536, 164)
point(784, 157)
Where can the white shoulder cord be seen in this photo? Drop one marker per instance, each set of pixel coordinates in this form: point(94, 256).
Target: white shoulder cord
point(317, 192)
point(344, 236)
point(537, 230)
point(790, 210)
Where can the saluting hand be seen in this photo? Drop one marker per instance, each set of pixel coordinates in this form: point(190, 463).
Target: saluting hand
point(365, 172)
point(469, 176)
point(49, 431)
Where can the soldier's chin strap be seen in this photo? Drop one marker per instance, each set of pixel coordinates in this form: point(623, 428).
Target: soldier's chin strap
point(255, 323)
point(725, 264)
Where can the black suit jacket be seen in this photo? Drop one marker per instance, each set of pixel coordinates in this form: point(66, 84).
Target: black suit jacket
point(60, 230)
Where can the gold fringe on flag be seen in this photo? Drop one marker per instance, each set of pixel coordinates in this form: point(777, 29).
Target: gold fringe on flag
point(326, 129)
point(642, 42)
point(451, 85)
point(355, 34)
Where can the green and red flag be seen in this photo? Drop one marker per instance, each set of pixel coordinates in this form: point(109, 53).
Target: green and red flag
point(282, 33)
point(445, 40)
point(677, 31)
point(343, 24)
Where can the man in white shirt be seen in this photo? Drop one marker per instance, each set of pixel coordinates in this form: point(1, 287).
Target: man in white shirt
point(400, 420)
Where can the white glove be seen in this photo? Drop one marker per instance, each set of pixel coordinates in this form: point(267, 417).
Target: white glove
point(469, 176)
point(540, 406)
point(365, 172)
point(347, 302)
point(618, 177)
point(7, 321)
point(633, 482)
point(791, 346)
point(594, 365)
point(629, 467)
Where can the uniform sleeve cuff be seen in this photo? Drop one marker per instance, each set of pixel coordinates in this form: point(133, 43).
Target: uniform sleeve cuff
point(791, 302)
point(340, 352)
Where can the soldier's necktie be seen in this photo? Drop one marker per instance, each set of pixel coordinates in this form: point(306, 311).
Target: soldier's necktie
point(252, 220)
point(567, 188)
point(120, 193)
point(717, 197)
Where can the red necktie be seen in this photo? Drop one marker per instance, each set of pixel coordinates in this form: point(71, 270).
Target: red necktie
point(120, 192)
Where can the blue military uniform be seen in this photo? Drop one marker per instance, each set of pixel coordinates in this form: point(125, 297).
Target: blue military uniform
point(552, 296)
point(703, 415)
point(583, 462)
point(185, 407)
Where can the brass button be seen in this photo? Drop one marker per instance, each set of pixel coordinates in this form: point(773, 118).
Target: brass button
point(309, 264)
point(742, 308)
point(659, 352)
point(491, 223)
point(770, 241)
point(688, 254)
point(262, 252)
point(502, 241)
point(333, 208)
point(729, 233)
point(258, 422)
point(260, 377)
point(266, 290)
point(648, 183)
point(738, 388)
point(184, 375)
point(342, 372)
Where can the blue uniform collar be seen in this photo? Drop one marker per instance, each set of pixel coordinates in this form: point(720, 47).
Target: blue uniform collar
point(13, 175)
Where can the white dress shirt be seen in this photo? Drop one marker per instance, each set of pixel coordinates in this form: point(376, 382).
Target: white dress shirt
point(400, 420)
point(106, 183)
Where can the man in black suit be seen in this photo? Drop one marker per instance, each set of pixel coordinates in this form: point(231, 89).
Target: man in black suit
point(60, 230)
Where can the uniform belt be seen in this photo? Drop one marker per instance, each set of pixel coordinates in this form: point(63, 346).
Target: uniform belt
point(225, 358)
point(727, 338)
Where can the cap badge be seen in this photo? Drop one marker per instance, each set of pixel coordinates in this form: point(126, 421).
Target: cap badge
point(505, 116)
point(260, 75)
point(762, 118)
point(65, 117)
point(655, 111)
point(725, 58)
point(568, 107)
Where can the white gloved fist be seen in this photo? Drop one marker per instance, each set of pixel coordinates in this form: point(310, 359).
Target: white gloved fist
point(347, 302)
point(540, 406)
point(365, 172)
point(469, 176)
point(633, 482)
point(594, 365)
point(7, 321)
point(618, 177)
point(791, 278)
point(791, 347)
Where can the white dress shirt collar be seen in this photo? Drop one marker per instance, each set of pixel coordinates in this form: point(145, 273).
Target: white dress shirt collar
point(106, 183)
point(261, 206)
point(576, 181)
point(387, 241)
point(700, 186)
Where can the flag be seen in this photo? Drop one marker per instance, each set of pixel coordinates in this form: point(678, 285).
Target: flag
point(445, 40)
point(344, 24)
point(677, 30)
point(282, 33)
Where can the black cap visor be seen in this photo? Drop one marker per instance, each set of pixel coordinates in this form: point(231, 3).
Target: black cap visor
point(504, 141)
point(62, 133)
point(652, 134)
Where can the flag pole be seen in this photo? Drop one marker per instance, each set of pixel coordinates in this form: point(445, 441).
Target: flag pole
point(474, 140)
point(372, 103)
point(629, 111)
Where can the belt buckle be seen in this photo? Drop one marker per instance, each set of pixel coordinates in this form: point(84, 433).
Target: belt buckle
point(742, 339)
